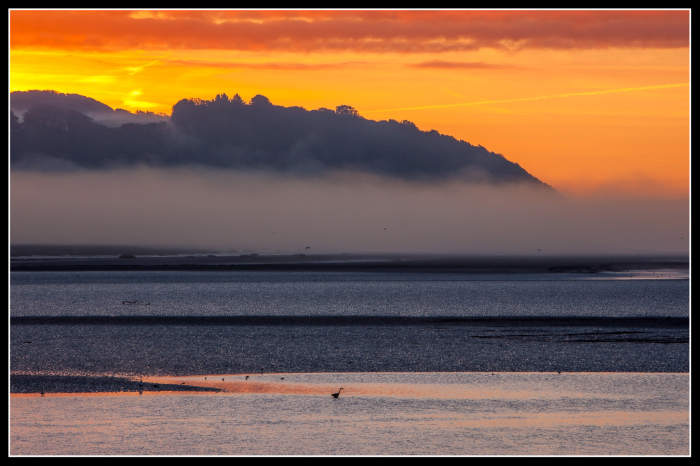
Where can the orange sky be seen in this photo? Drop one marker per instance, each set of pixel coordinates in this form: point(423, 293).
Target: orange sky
point(532, 85)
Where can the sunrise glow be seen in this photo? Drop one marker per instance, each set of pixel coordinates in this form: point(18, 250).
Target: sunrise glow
point(590, 102)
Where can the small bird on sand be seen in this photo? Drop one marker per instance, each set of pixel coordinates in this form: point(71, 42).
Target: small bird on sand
point(261, 370)
point(222, 378)
point(246, 377)
point(282, 378)
point(336, 395)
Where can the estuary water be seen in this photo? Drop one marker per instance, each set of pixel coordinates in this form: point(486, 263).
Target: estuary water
point(430, 363)
point(348, 294)
point(376, 414)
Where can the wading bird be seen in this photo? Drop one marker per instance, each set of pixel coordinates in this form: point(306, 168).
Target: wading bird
point(336, 395)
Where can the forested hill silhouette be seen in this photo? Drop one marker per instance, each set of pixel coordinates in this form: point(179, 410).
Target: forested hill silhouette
point(21, 101)
point(230, 133)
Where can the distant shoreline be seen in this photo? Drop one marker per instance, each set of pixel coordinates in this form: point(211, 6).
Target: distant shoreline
point(387, 263)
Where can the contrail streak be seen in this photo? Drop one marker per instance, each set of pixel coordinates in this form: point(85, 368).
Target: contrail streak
point(575, 94)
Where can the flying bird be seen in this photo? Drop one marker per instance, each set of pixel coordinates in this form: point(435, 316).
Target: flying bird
point(539, 250)
point(274, 232)
point(336, 395)
point(307, 247)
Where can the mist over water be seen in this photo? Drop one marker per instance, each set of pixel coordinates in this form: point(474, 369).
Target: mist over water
point(340, 212)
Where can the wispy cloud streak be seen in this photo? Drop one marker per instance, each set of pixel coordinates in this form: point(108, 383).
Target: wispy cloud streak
point(524, 99)
point(440, 64)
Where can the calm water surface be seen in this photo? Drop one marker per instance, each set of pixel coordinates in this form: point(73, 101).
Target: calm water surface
point(385, 413)
point(422, 408)
point(340, 293)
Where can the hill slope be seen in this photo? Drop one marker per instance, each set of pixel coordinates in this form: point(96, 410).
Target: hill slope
point(229, 133)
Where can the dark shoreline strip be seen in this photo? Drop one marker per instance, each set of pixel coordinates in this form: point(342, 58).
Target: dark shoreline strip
point(515, 321)
point(36, 384)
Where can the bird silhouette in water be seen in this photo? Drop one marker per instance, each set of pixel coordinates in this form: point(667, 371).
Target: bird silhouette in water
point(385, 228)
point(539, 250)
point(246, 377)
point(336, 395)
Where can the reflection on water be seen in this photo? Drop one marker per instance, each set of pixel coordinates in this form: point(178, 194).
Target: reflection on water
point(661, 274)
point(610, 294)
point(376, 413)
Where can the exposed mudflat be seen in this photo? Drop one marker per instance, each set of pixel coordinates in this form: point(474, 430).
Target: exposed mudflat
point(96, 384)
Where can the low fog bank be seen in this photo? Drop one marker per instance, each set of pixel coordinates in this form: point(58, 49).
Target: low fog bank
point(342, 212)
